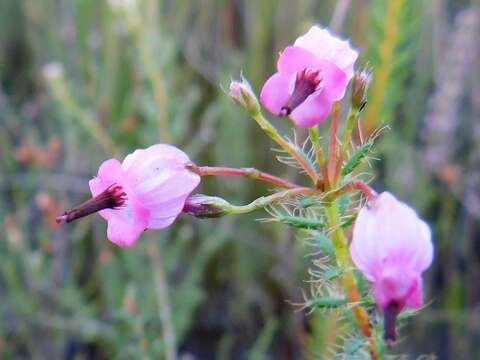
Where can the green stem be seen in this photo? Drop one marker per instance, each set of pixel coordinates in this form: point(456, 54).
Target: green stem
point(264, 201)
point(349, 126)
point(272, 132)
point(352, 118)
point(348, 278)
point(319, 154)
point(163, 302)
point(148, 57)
point(62, 94)
point(332, 146)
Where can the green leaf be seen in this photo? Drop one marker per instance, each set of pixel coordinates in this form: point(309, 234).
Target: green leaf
point(301, 222)
point(332, 273)
point(325, 244)
point(352, 346)
point(327, 302)
point(356, 158)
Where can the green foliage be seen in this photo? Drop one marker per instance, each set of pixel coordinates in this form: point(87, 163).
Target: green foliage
point(302, 222)
point(356, 158)
point(327, 303)
point(324, 243)
point(392, 45)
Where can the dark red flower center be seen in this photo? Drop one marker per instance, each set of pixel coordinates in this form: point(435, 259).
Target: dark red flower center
point(112, 197)
point(390, 313)
point(306, 83)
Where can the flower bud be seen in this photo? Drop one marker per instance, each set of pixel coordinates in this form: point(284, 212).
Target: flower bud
point(204, 206)
point(360, 83)
point(242, 93)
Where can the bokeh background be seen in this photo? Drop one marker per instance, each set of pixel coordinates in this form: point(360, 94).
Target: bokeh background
point(85, 80)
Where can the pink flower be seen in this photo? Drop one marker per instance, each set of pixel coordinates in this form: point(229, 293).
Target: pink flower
point(312, 75)
point(392, 246)
point(146, 191)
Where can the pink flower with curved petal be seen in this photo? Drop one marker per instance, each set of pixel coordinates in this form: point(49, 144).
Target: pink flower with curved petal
point(312, 75)
point(147, 190)
point(392, 247)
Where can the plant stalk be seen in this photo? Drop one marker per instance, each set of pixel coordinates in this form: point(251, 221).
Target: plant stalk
point(264, 201)
point(348, 279)
point(272, 132)
point(319, 154)
point(246, 172)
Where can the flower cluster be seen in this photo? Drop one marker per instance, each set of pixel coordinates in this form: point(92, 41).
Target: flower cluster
point(390, 245)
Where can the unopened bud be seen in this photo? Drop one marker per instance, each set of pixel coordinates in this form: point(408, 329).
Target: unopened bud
point(242, 93)
point(204, 206)
point(360, 83)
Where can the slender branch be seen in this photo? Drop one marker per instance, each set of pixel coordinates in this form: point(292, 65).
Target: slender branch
point(319, 155)
point(355, 185)
point(332, 148)
point(271, 199)
point(246, 172)
point(339, 239)
point(352, 118)
point(154, 74)
point(339, 15)
point(62, 93)
point(164, 308)
point(364, 188)
point(349, 282)
point(272, 132)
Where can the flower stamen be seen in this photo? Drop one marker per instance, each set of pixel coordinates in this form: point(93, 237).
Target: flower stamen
point(390, 314)
point(112, 197)
point(306, 83)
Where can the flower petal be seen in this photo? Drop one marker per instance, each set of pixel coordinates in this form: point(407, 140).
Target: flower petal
point(312, 111)
point(142, 163)
point(415, 298)
point(326, 46)
point(109, 172)
point(166, 202)
point(335, 80)
point(159, 174)
point(275, 92)
point(124, 229)
point(364, 244)
point(399, 285)
point(294, 58)
point(425, 254)
point(161, 182)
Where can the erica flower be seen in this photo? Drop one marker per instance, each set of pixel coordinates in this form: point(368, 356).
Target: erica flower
point(392, 246)
point(312, 74)
point(146, 191)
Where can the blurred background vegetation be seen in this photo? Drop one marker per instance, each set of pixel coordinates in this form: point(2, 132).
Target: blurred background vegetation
point(85, 80)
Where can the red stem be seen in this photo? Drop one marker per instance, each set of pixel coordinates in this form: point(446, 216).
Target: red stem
point(338, 167)
point(356, 185)
point(365, 189)
point(246, 172)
